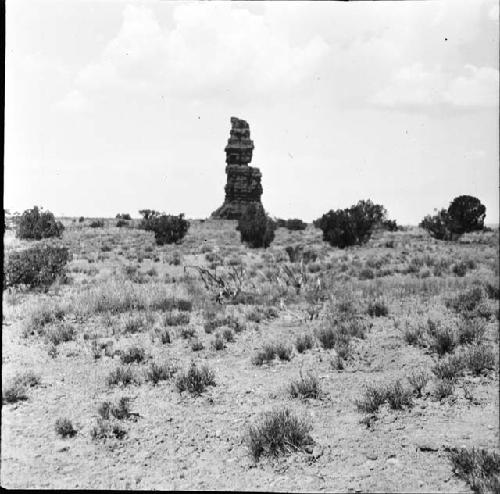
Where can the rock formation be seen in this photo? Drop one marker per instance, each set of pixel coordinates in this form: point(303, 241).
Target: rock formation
point(243, 185)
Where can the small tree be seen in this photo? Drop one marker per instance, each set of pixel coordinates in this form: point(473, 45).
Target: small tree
point(345, 227)
point(466, 214)
point(437, 225)
point(148, 213)
point(255, 227)
point(295, 224)
point(35, 225)
point(168, 229)
point(123, 216)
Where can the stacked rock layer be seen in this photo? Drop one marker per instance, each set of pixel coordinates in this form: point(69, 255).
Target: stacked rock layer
point(243, 185)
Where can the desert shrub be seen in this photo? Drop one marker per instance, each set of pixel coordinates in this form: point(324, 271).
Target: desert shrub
point(160, 372)
point(122, 223)
point(442, 337)
point(492, 290)
point(228, 335)
point(283, 352)
point(176, 319)
point(188, 332)
point(437, 225)
point(255, 227)
point(122, 375)
point(418, 380)
point(304, 342)
point(195, 379)
point(305, 387)
point(165, 337)
point(28, 379)
point(471, 330)
point(123, 216)
point(466, 214)
point(81, 219)
point(352, 226)
point(390, 225)
point(314, 267)
point(120, 411)
point(327, 337)
point(134, 324)
point(295, 224)
point(64, 427)
point(133, 354)
point(460, 269)
point(168, 229)
point(478, 467)
point(450, 367)
point(218, 342)
point(468, 302)
point(14, 392)
point(373, 398)
point(398, 396)
point(197, 345)
point(104, 429)
point(37, 266)
point(60, 334)
point(35, 225)
point(377, 308)
point(266, 354)
point(97, 224)
point(479, 358)
point(278, 432)
point(444, 388)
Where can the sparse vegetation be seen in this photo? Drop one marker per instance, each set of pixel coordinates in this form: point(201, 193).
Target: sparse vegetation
point(64, 428)
point(196, 379)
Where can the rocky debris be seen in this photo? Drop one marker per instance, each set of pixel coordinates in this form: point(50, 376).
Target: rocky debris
point(243, 185)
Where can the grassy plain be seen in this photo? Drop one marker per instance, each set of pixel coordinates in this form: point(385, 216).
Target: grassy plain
point(129, 374)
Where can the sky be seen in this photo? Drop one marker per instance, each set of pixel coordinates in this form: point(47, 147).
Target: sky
point(112, 107)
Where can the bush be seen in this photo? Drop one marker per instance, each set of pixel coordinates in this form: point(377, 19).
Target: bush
point(97, 224)
point(60, 334)
point(437, 225)
point(255, 227)
point(305, 387)
point(374, 397)
point(121, 223)
point(478, 467)
point(295, 224)
point(37, 266)
point(304, 342)
point(65, 428)
point(218, 343)
point(105, 429)
point(460, 269)
point(133, 354)
point(120, 411)
point(124, 216)
point(443, 339)
point(377, 309)
point(81, 219)
point(444, 388)
point(160, 372)
point(450, 368)
point(176, 319)
point(352, 226)
point(121, 376)
point(466, 214)
point(14, 392)
point(196, 345)
point(279, 432)
point(195, 379)
point(168, 229)
point(35, 225)
point(418, 380)
point(471, 330)
point(398, 396)
point(479, 358)
point(267, 354)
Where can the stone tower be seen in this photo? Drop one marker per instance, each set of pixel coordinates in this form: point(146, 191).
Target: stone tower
point(243, 185)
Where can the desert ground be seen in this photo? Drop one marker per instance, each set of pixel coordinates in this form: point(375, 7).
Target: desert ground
point(414, 308)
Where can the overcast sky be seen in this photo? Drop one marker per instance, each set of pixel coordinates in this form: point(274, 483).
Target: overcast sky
point(119, 106)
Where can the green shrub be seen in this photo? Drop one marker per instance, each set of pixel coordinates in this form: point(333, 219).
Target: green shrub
point(124, 216)
point(352, 226)
point(168, 229)
point(255, 227)
point(374, 397)
point(450, 367)
point(471, 330)
point(326, 336)
point(35, 225)
point(466, 214)
point(14, 392)
point(266, 354)
point(460, 269)
point(442, 338)
point(278, 432)
point(418, 380)
point(398, 396)
point(479, 358)
point(122, 223)
point(188, 332)
point(64, 427)
point(105, 429)
point(437, 225)
point(195, 379)
point(228, 335)
point(97, 224)
point(81, 219)
point(37, 266)
point(121, 376)
point(377, 308)
point(444, 388)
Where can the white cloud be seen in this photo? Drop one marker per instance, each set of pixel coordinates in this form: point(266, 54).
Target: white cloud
point(493, 13)
point(74, 101)
point(211, 47)
point(415, 87)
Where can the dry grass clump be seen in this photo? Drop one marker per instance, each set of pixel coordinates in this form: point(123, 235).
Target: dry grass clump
point(188, 332)
point(133, 354)
point(122, 375)
point(418, 380)
point(40, 315)
point(105, 429)
point(395, 394)
point(196, 345)
point(450, 367)
point(305, 387)
point(444, 388)
point(64, 428)
point(176, 318)
point(160, 372)
point(14, 392)
point(479, 358)
point(120, 410)
point(377, 308)
point(218, 342)
point(278, 432)
point(399, 396)
point(135, 323)
point(304, 342)
point(478, 467)
point(471, 330)
point(271, 350)
point(59, 334)
point(195, 380)
point(373, 398)
point(442, 337)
